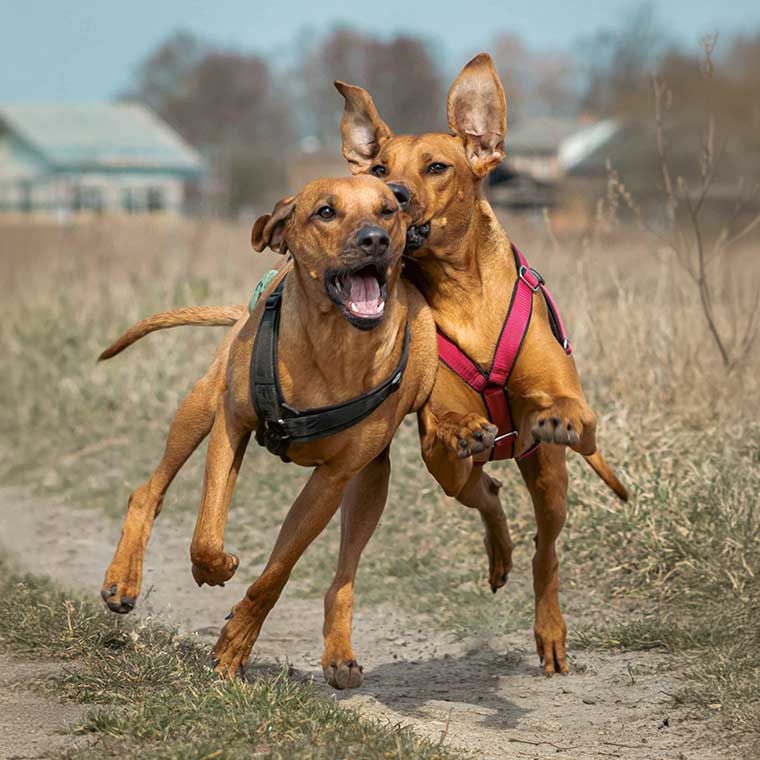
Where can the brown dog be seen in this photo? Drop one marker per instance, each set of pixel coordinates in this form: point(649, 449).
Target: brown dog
point(346, 237)
point(464, 270)
point(463, 265)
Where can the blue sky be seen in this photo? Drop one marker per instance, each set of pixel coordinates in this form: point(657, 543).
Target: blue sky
point(84, 50)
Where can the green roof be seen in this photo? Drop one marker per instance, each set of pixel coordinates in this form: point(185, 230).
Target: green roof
point(101, 136)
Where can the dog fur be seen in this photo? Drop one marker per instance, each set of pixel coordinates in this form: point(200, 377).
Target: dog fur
point(464, 270)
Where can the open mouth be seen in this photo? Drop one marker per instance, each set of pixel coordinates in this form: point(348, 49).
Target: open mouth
point(416, 236)
point(360, 294)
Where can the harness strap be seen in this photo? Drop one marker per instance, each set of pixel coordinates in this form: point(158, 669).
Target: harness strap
point(492, 384)
point(280, 423)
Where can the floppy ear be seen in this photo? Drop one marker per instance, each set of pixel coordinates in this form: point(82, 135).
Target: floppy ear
point(477, 111)
point(269, 230)
point(362, 129)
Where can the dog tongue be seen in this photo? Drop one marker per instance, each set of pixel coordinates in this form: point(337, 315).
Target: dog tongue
point(365, 294)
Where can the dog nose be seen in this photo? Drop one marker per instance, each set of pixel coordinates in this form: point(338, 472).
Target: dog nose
point(403, 196)
point(373, 240)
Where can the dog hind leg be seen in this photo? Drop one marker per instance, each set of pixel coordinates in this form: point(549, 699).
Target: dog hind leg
point(190, 425)
point(545, 475)
point(481, 492)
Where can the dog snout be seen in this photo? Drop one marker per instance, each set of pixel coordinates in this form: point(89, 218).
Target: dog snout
point(374, 241)
point(403, 196)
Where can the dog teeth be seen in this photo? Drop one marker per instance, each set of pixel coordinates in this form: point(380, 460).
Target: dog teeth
point(338, 285)
point(354, 308)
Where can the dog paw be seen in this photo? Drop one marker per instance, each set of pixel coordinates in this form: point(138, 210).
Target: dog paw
point(229, 657)
point(550, 645)
point(216, 571)
point(344, 674)
point(566, 423)
point(467, 434)
point(120, 597)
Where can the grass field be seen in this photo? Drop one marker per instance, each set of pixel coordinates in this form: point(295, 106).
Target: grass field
point(677, 568)
point(152, 695)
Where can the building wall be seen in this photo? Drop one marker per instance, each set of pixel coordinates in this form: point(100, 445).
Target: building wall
point(129, 192)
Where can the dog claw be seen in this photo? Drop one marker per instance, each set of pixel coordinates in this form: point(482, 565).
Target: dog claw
point(127, 603)
point(119, 605)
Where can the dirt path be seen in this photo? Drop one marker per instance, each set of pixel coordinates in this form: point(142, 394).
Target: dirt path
point(486, 696)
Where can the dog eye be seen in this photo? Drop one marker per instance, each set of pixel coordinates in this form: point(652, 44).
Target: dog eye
point(378, 170)
point(436, 168)
point(326, 212)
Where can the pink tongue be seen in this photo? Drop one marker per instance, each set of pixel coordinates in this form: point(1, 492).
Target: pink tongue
point(365, 293)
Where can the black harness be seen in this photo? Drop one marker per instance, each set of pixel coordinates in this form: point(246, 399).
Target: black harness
point(281, 424)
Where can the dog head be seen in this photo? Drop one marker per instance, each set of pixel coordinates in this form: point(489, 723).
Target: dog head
point(346, 236)
point(436, 177)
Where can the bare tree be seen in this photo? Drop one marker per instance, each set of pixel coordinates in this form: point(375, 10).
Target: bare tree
point(400, 73)
point(163, 74)
point(536, 82)
point(621, 60)
point(229, 106)
point(733, 328)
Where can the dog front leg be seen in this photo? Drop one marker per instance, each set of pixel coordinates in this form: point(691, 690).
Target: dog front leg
point(545, 475)
point(448, 441)
point(307, 518)
point(362, 507)
point(229, 439)
point(190, 426)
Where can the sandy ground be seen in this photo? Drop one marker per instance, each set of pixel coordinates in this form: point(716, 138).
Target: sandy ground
point(482, 695)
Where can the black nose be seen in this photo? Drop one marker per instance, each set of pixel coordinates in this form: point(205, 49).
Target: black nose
point(402, 194)
point(373, 240)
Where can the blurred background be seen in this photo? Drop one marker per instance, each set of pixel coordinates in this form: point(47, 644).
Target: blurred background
point(219, 110)
point(138, 142)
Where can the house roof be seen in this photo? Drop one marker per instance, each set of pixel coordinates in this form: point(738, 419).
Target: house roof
point(540, 135)
point(100, 136)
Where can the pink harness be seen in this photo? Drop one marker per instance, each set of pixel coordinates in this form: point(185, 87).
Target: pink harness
point(492, 385)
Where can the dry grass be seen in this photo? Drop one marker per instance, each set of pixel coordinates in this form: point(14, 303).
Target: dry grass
point(676, 567)
point(154, 696)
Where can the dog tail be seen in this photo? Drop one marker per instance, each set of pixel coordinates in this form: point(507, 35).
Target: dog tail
point(603, 470)
point(208, 316)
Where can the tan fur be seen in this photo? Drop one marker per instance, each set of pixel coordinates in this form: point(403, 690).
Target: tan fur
point(351, 467)
point(208, 316)
point(465, 270)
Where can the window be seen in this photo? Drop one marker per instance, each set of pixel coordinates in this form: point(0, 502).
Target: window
point(155, 199)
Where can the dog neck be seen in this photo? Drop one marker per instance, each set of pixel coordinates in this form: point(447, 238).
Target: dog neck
point(468, 286)
point(319, 345)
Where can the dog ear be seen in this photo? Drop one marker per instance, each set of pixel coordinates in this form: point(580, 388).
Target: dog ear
point(362, 129)
point(269, 230)
point(477, 111)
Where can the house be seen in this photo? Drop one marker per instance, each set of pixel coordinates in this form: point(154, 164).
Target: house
point(542, 153)
point(98, 157)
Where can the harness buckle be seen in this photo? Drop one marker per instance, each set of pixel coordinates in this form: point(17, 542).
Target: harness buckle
point(275, 437)
point(539, 280)
point(503, 436)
